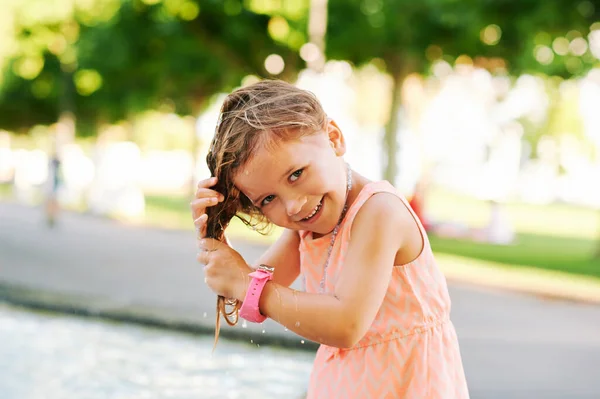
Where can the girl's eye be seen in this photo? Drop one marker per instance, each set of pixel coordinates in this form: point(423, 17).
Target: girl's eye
point(267, 200)
point(296, 175)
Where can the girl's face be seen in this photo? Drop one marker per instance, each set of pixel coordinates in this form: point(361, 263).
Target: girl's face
point(298, 184)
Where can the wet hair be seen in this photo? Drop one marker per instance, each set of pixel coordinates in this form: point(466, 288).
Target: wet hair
point(262, 114)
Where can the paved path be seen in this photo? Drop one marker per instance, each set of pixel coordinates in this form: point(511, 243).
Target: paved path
point(513, 345)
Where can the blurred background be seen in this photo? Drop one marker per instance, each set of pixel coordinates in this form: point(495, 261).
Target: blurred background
point(486, 114)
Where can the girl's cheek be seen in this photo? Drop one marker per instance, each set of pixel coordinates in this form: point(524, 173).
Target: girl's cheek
point(277, 216)
point(268, 214)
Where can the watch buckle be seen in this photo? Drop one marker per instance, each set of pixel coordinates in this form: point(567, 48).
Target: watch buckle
point(265, 268)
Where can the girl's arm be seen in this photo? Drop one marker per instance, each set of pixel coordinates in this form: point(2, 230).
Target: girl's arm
point(284, 255)
point(341, 318)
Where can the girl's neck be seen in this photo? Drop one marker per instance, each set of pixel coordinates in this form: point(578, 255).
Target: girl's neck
point(358, 182)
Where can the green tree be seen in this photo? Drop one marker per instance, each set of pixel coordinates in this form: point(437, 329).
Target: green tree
point(115, 58)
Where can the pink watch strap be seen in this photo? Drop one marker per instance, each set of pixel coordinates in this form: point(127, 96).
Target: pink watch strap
point(250, 307)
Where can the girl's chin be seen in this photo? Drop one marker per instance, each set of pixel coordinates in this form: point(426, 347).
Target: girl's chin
point(323, 229)
point(327, 223)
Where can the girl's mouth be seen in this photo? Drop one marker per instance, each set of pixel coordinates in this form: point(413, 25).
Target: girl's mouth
point(314, 214)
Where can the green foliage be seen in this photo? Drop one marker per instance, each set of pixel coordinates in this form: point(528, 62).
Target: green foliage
point(24, 103)
point(109, 59)
point(526, 26)
point(398, 32)
point(401, 31)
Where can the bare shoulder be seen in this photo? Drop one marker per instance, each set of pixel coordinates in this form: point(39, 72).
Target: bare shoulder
point(386, 217)
point(383, 209)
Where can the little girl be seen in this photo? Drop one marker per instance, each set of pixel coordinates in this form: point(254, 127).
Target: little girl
point(374, 297)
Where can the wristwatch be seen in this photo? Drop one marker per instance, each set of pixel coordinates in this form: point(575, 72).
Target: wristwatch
point(250, 310)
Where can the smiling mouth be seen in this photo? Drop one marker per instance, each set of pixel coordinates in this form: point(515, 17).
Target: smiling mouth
point(314, 212)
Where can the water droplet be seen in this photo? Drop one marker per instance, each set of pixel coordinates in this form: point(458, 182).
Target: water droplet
point(204, 314)
point(297, 324)
point(251, 341)
point(286, 329)
point(258, 345)
point(244, 324)
point(302, 342)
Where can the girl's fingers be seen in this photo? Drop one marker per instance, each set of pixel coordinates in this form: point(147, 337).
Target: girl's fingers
point(200, 232)
point(200, 224)
point(203, 257)
point(204, 190)
point(211, 181)
point(205, 197)
point(201, 219)
point(208, 193)
point(199, 206)
point(204, 202)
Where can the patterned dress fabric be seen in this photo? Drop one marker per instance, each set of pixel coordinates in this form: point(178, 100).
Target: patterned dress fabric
point(411, 350)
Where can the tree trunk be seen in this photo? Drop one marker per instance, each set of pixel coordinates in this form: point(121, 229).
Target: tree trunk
point(65, 133)
point(66, 126)
point(390, 140)
point(317, 29)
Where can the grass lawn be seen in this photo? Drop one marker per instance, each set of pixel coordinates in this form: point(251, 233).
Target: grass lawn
point(5, 190)
point(573, 255)
point(555, 237)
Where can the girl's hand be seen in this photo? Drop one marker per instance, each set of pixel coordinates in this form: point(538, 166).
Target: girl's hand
point(226, 272)
point(204, 198)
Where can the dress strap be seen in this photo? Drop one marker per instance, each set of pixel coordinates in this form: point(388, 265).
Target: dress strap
point(367, 192)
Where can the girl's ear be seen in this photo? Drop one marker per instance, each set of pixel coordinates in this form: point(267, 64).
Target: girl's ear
point(336, 138)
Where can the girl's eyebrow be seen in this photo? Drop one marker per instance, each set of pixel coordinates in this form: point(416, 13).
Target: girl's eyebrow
point(245, 195)
point(254, 202)
point(251, 200)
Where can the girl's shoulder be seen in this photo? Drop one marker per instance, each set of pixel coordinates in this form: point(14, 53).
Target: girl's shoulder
point(381, 193)
point(381, 202)
point(381, 209)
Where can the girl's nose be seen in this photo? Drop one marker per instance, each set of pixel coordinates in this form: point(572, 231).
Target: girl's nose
point(294, 206)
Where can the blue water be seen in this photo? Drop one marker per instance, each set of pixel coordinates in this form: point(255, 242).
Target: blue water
point(49, 356)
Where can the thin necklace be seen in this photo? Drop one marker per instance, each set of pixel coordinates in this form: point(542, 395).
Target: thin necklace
point(335, 233)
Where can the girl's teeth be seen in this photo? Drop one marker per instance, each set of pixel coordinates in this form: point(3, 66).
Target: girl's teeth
point(313, 212)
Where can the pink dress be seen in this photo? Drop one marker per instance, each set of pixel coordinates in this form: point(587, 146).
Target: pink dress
point(411, 349)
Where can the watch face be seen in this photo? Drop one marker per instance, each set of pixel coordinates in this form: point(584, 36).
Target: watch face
point(266, 268)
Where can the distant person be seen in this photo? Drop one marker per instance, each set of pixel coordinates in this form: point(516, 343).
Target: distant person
point(417, 203)
point(53, 184)
point(374, 297)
